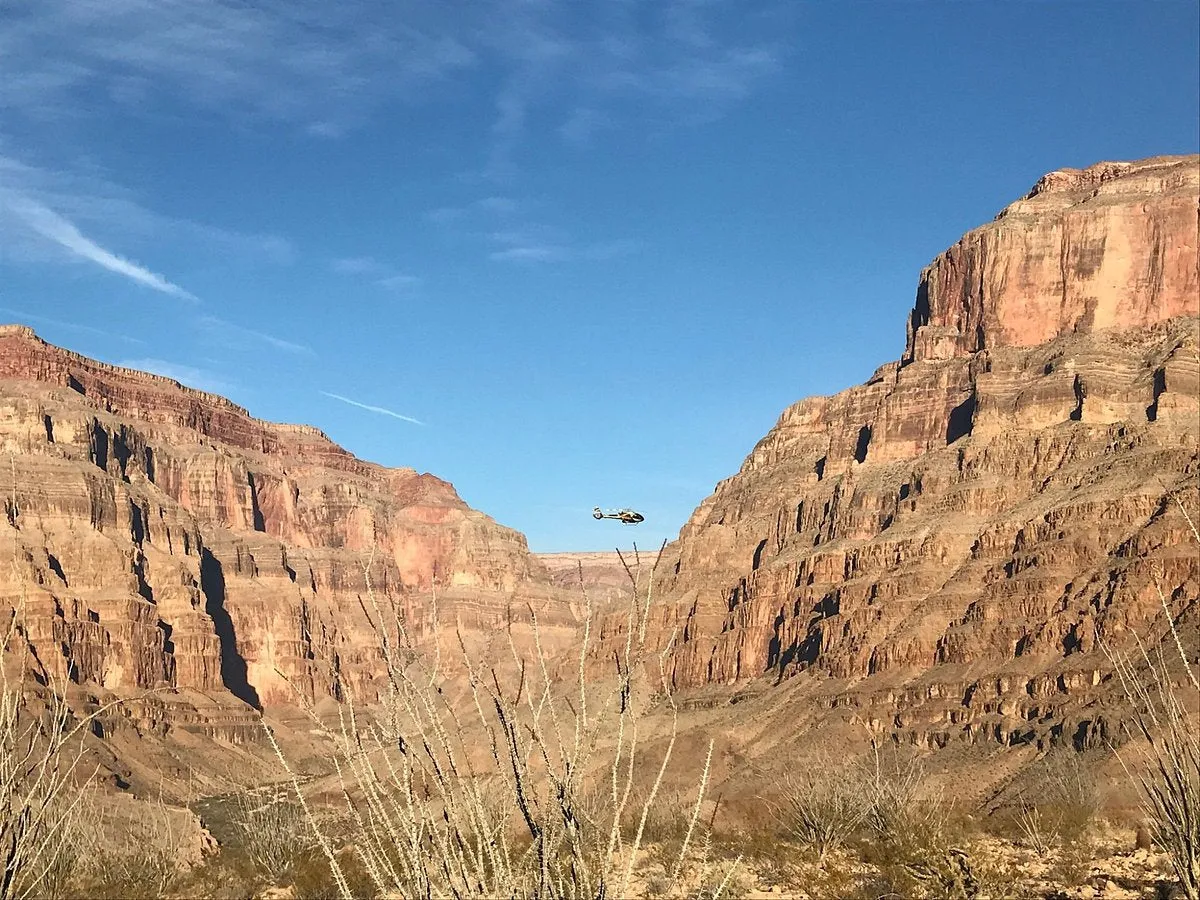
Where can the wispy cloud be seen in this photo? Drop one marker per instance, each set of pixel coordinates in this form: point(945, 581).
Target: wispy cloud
point(31, 319)
point(196, 378)
point(511, 230)
point(324, 66)
point(498, 205)
point(610, 249)
point(48, 224)
point(93, 204)
point(594, 67)
point(564, 66)
point(47, 216)
point(237, 335)
point(381, 410)
point(271, 248)
point(358, 265)
point(528, 253)
point(492, 208)
point(526, 247)
point(398, 282)
point(582, 124)
point(445, 215)
point(379, 273)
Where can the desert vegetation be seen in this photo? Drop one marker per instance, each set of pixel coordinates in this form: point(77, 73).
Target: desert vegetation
point(40, 810)
point(935, 638)
point(523, 784)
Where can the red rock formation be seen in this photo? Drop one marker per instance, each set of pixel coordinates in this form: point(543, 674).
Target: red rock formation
point(163, 536)
point(1113, 245)
point(943, 547)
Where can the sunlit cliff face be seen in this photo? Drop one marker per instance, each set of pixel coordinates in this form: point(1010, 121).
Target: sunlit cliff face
point(949, 541)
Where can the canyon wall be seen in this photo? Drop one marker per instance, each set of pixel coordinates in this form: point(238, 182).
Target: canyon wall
point(941, 550)
point(161, 537)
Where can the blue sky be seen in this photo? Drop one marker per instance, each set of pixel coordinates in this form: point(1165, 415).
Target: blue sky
point(559, 252)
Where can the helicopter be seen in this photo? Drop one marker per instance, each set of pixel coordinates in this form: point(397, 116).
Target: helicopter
point(624, 516)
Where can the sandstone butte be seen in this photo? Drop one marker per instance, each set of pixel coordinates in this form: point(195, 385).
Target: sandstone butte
point(161, 537)
point(937, 554)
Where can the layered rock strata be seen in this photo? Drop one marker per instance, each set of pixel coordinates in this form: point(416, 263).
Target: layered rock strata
point(945, 547)
point(161, 537)
point(600, 576)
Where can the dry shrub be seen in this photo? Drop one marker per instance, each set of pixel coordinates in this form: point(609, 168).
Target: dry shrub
point(659, 885)
point(912, 838)
point(40, 817)
point(731, 884)
point(313, 879)
point(1036, 831)
point(42, 745)
point(902, 807)
point(902, 829)
point(144, 874)
point(496, 797)
point(273, 833)
point(1070, 866)
point(822, 807)
point(1061, 802)
point(1169, 779)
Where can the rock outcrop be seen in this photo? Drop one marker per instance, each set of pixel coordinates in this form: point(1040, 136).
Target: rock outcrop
point(1110, 246)
point(162, 537)
point(942, 549)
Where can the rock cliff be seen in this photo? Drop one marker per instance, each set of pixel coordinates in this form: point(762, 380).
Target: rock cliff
point(163, 537)
point(941, 549)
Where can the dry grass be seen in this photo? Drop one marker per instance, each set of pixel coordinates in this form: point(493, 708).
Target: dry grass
point(139, 865)
point(872, 827)
point(273, 833)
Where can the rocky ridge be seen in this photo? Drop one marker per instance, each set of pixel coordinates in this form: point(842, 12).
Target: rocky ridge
point(938, 552)
point(162, 537)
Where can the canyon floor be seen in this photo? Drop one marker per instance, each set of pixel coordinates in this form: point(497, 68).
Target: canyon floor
point(256, 842)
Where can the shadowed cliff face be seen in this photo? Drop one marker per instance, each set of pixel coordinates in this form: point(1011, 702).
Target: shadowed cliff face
point(163, 536)
point(943, 547)
point(233, 666)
